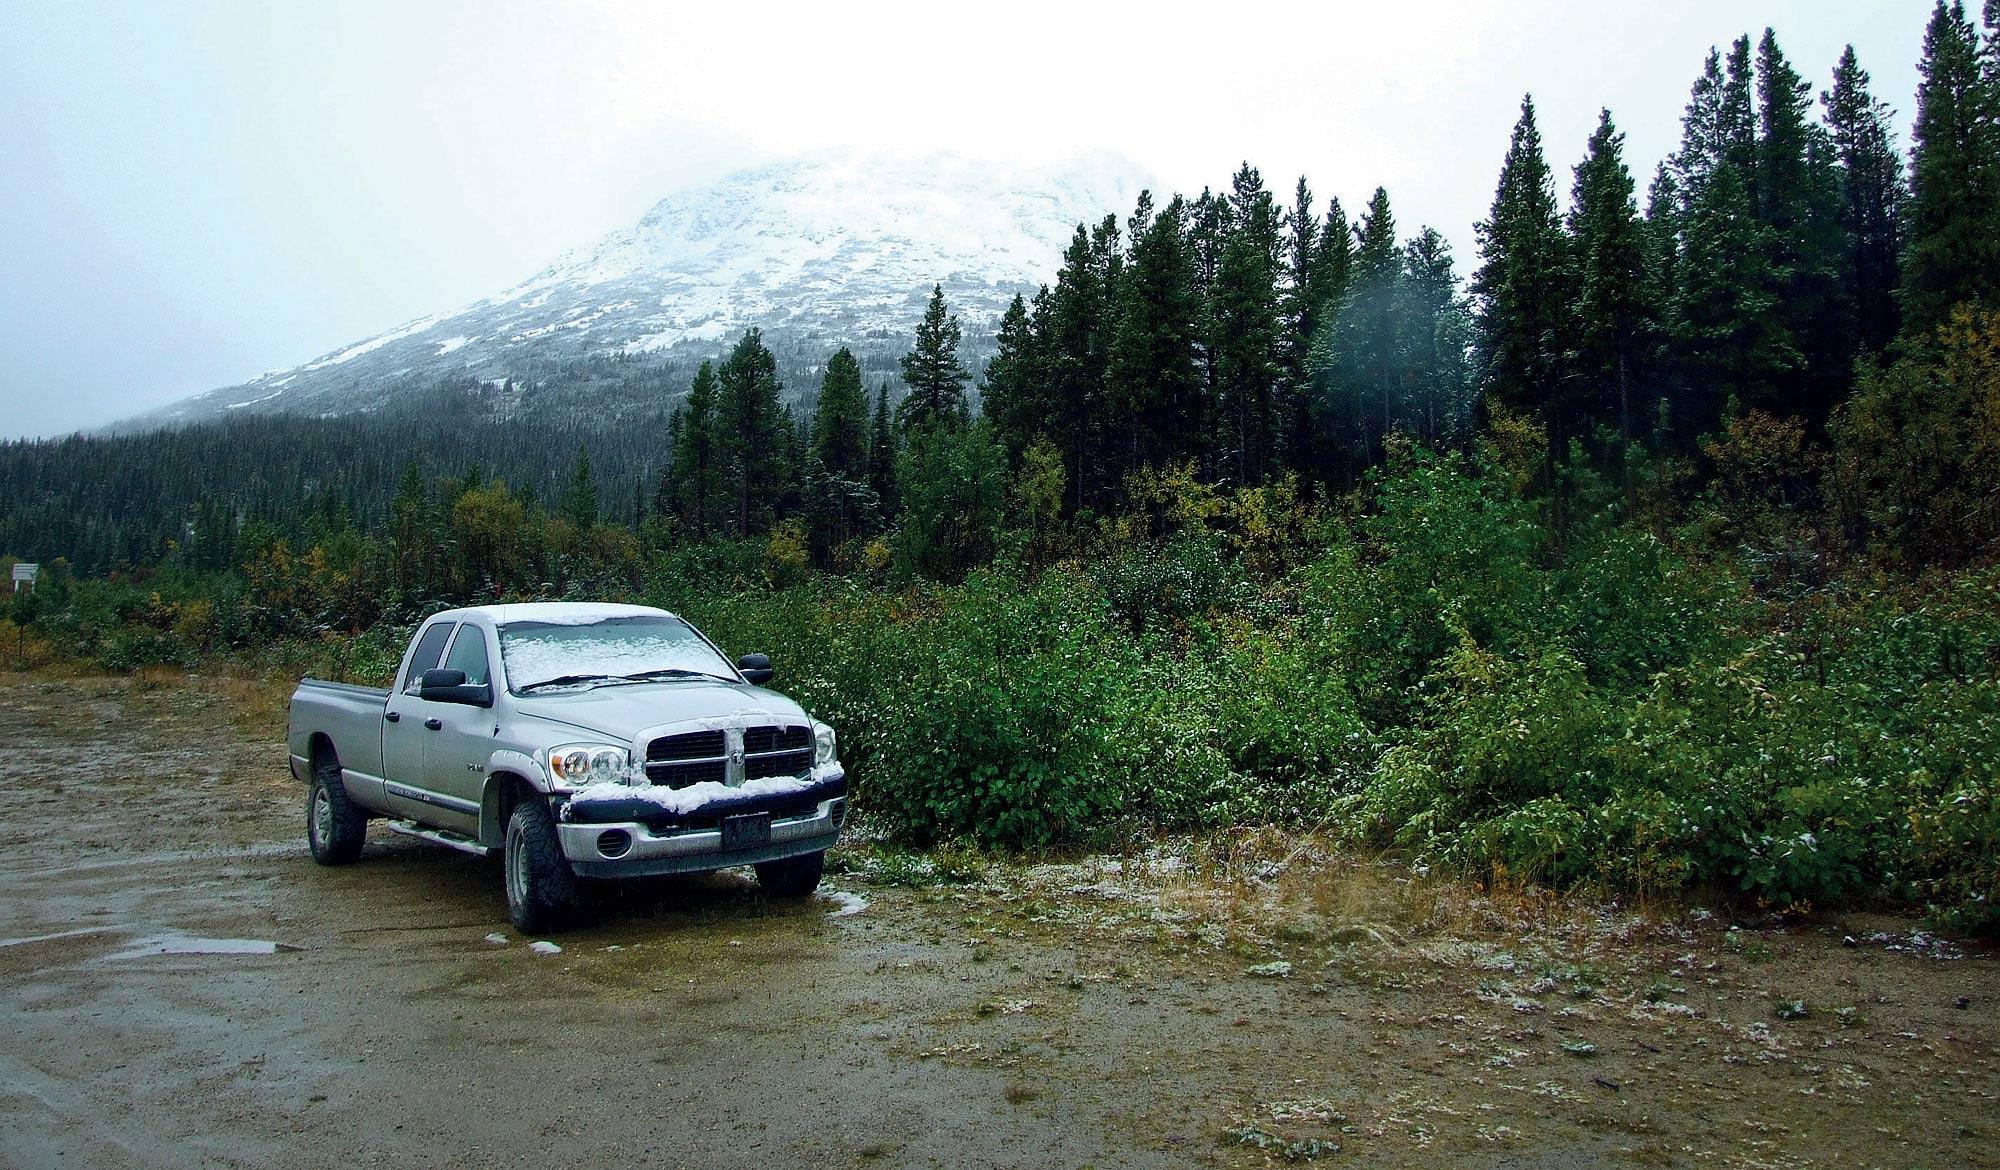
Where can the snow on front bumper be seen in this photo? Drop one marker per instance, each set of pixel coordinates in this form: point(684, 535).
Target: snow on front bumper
point(624, 835)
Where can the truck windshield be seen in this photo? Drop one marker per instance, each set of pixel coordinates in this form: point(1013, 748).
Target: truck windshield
point(551, 656)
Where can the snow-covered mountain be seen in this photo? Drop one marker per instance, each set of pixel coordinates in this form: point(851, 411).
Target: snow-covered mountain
point(818, 252)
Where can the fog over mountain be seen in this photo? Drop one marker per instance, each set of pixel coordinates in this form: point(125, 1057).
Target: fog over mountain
point(819, 252)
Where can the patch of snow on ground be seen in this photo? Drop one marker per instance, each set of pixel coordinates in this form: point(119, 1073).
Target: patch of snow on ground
point(846, 905)
point(255, 401)
point(174, 943)
point(542, 946)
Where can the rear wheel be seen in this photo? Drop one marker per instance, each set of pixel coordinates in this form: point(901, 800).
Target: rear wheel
point(335, 828)
point(541, 888)
point(792, 877)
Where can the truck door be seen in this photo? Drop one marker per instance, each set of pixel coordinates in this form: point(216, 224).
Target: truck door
point(404, 736)
point(455, 753)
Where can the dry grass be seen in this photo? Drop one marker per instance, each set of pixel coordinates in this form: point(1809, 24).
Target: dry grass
point(20, 650)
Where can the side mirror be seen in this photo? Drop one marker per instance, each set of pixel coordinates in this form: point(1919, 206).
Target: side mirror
point(449, 686)
point(756, 668)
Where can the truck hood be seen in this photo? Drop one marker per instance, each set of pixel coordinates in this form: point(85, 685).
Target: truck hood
point(622, 711)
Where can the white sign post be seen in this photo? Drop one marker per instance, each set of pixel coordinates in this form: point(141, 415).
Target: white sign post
point(24, 574)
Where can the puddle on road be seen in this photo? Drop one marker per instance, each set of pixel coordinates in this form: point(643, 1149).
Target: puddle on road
point(184, 944)
point(845, 904)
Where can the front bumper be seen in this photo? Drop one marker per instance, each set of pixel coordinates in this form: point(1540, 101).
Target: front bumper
point(807, 823)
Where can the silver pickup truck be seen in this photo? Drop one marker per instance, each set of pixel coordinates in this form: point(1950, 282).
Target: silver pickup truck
point(597, 741)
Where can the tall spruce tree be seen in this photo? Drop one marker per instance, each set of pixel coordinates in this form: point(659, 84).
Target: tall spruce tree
point(1153, 382)
point(579, 497)
point(1798, 199)
point(1437, 331)
point(755, 438)
point(1075, 331)
point(1208, 229)
point(1953, 253)
point(1728, 331)
point(840, 419)
point(931, 370)
point(1872, 198)
point(1010, 397)
point(1249, 333)
point(698, 459)
point(1357, 368)
point(1615, 312)
point(1523, 288)
point(882, 450)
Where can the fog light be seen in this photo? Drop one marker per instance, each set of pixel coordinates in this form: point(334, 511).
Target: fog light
point(614, 843)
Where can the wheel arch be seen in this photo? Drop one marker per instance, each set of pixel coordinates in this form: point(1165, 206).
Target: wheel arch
point(503, 791)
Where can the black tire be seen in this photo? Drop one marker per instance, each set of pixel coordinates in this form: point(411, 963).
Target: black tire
point(792, 877)
point(541, 887)
point(335, 828)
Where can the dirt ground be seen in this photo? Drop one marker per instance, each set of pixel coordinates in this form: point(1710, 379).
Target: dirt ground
point(181, 986)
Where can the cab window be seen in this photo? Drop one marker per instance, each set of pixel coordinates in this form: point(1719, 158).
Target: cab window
point(430, 648)
point(468, 653)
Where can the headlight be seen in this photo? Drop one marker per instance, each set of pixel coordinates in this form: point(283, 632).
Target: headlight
point(576, 765)
point(822, 744)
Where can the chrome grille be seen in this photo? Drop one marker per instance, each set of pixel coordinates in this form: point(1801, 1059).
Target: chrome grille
point(682, 774)
point(692, 745)
point(694, 757)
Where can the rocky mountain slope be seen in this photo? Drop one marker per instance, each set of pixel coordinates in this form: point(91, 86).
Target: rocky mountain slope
point(818, 252)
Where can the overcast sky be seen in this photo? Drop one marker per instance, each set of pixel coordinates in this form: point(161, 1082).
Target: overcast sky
point(193, 193)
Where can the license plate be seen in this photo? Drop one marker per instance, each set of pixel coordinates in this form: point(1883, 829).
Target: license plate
point(746, 831)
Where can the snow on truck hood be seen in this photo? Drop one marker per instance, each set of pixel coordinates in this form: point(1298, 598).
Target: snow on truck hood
point(623, 710)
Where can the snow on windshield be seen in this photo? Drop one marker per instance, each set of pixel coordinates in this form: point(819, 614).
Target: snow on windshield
point(539, 651)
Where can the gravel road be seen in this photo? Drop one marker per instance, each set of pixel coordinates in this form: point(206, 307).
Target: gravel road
point(181, 986)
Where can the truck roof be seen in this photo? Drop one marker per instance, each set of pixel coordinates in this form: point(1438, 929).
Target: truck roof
point(571, 613)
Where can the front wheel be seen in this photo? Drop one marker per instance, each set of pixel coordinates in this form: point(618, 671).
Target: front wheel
point(792, 877)
point(335, 828)
point(541, 888)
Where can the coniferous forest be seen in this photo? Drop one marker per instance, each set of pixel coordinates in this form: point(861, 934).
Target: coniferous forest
point(1655, 549)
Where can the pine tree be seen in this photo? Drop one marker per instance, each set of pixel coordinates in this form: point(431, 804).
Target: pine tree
point(882, 450)
point(1872, 196)
point(698, 459)
point(1798, 200)
point(1153, 383)
point(1523, 287)
point(1953, 254)
point(1075, 331)
point(931, 370)
point(1249, 332)
point(840, 419)
point(1010, 393)
point(1437, 330)
point(1335, 262)
point(579, 497)
point(1208, 229)
point(1357, 367)
point(1303, 290)
point(1729, 334)
point(413, 533)
point(754, 438)
point(1614, 308)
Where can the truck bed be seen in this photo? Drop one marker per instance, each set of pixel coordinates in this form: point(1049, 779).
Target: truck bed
point(349, 716)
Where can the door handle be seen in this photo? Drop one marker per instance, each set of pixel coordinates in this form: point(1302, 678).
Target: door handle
point(434, 724)
point(393, 717)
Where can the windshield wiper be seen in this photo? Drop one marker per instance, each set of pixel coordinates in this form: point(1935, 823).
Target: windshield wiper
point(565, 680)
point(675, 672)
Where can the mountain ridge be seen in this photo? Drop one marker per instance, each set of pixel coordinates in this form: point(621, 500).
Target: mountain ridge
point(817, 251)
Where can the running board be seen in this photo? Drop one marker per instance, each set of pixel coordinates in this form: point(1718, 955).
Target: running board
point(441, 836)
